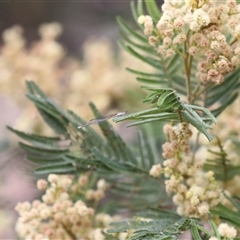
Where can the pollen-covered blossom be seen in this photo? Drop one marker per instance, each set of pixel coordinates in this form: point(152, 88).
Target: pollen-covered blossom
point(227, 231)
point(148, 24)
point(213, 238)
point(155, 171)
point(58, 216)
point(193, 190)
point(200, 18)
point(196, 28)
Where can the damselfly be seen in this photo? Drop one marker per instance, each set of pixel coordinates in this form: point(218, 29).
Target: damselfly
point(102, 119)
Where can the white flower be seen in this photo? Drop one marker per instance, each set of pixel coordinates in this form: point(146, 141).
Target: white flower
point(214, 45)
point(83, 181)
point(227, 231)
point(52, 178)
point(199, 19)
point(237, 29)
point(97, 234)
point(196, 190)
point(101, 184)
point(42, 184)
point(141, 19)
point(203, 209)
point(155, 171)
point(213, 238)
point(165, 19)
point(194, 26)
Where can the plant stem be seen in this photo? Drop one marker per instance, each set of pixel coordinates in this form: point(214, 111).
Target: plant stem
point(196, 95)
point(195, 147)
point(223, 162)
point(71, 235)
point(187, 65)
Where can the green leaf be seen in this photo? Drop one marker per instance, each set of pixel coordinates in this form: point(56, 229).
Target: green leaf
point(34, 89)
point(151, 61)
point(197, 124)
point(49, 114)
point(157, 213)
point(178, 84)
point(202, 229)
point(129, 30)
point(40, 141)
point(171, 117)
point(139, 235)
point(152, 229)
point(140, 7)
point(138, 115)
point(44, 152)
point(233, 201)
point(47, 108)
point(227, 214)
point(225, 93)
point(48, 161)
point(146, 154)
point(153, 81)
point(221, 165)
point(215, 229)
point(143, 47)
point(135, 14)
point(194, 232)
point(112, 163)
point(153, 10)
point(221, 91)
point(144, 74)
point(217, 111)
point(64, 168)
point(119, 148)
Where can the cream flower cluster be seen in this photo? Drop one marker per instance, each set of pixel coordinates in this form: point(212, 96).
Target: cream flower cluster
point(207, 32)
point(70, 82)
point(226, 231)
point(38, 62)
point(193, 190)
point(58, 216)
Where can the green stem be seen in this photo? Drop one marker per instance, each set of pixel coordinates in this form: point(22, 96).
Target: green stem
point(188, 65)
point(195, 147)
point(166, 73)
point(71, 235)
point(195, 92)
point(196, 95)
point(223, 160)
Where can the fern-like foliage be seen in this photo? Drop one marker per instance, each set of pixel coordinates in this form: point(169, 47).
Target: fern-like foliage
point(167, 106)
point(77, 150)
point(162, 225)
point(229, 215)
point(169, 72)
point(157, 225)
point(221, 165)
point(109, 154)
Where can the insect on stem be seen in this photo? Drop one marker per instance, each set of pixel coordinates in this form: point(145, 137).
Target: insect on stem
point(102, 119)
